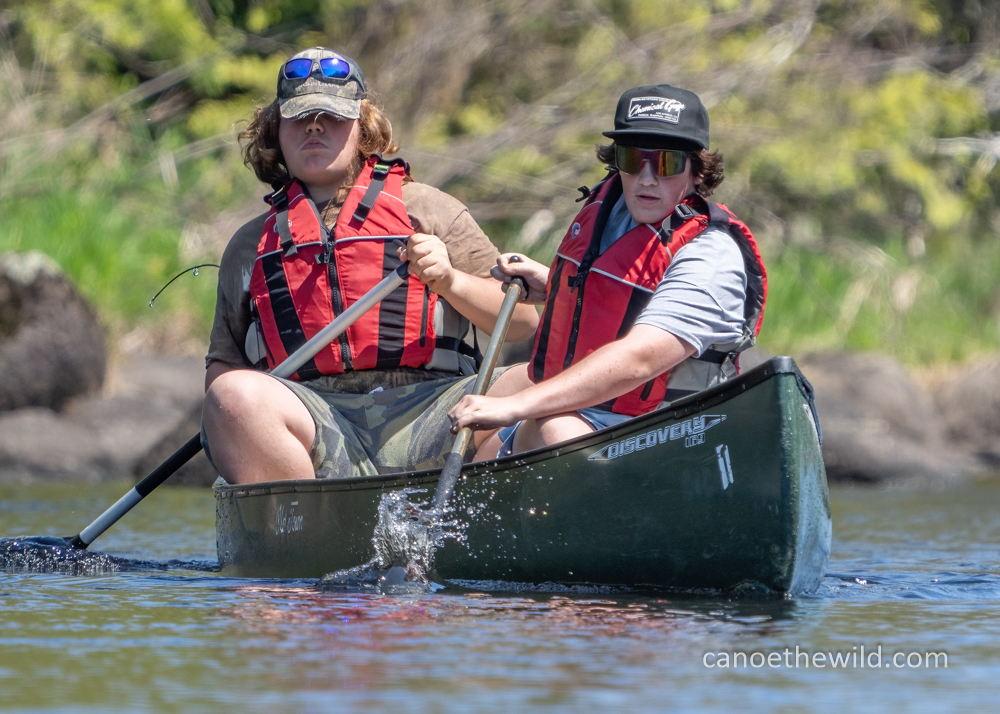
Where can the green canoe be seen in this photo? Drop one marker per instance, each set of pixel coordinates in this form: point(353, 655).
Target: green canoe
point(723, 489)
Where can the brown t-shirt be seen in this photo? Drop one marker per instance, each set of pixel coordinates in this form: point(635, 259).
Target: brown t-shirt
point(431, 211)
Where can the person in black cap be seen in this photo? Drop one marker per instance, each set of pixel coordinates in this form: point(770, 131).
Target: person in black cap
point(653, 293)
point(341, 218)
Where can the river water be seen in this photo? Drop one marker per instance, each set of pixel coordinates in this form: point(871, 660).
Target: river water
point(912, 572)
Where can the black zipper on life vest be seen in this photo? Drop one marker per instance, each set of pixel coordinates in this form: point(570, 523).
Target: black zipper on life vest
point(542, 346)
point(423, 316)
point(338, 303)
point(580, 285)
point(577, 282)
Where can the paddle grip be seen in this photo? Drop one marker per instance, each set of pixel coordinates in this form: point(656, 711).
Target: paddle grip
point(142, 489)
point(165, 470)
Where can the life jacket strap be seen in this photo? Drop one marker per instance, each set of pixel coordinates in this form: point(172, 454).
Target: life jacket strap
point(379, 173)
point(284, 232)
point(457, 345)
point(725, 360)
point(678, 217)
point(279, 200)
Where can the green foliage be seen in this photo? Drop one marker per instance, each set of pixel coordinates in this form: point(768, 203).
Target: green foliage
point(119, 255)
point(860, 298)
point(861, 123)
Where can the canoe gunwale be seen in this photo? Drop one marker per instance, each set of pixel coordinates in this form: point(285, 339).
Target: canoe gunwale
point(677, 410)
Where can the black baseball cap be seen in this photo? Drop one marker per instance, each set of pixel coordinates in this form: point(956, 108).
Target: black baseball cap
point(338, 91)
point(660, 117)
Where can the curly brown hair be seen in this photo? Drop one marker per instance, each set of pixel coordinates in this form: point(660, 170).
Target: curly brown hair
point(709, 165)
point(262, 152)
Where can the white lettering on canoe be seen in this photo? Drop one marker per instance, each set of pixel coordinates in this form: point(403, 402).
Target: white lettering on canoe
point(288, 521)
point(691, 430)
point(725, 467)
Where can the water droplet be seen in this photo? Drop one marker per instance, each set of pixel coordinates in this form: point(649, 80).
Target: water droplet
point(195, 272)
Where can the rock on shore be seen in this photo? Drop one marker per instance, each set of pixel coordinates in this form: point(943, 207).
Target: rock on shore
point(880, 426)
point(970, 409)
point(51, 342)
point(109, 435)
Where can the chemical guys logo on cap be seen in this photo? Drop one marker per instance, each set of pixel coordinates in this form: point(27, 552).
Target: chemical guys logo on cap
point(691, 430)
point(657, 108)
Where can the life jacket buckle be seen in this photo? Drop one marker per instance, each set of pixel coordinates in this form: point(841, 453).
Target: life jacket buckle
point(728, 366)
point(585, 191)
point(685, 212)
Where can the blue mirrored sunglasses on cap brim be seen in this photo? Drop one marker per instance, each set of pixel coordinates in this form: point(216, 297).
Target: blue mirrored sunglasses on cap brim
point(333, 68)
point(663, 162)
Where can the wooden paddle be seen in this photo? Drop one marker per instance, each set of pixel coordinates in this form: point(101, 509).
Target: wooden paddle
point(455, 458)
point(286, 369)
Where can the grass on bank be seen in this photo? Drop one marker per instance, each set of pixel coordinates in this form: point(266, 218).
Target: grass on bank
point(120, 235)
point(854, 296)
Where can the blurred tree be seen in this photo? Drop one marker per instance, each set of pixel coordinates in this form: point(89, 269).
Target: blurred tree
point(841, 120)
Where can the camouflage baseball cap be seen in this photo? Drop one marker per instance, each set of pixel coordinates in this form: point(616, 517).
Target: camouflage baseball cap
point(320, 80)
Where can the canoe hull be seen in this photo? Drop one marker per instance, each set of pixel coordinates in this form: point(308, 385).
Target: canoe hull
point(725, 489)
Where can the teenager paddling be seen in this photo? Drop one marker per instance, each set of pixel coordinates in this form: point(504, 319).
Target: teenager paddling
point(653, 292)
point(376, 400)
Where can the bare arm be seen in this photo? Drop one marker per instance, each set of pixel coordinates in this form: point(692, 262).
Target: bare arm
point(476, 298)
point(609, 372)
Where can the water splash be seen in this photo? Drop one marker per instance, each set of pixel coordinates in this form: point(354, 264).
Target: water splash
point(406, 538)
point(50, 554)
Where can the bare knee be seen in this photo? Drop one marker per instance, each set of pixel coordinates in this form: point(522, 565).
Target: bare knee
point(244, 401)
point(512, 381)
point(562, 427)
point(537, 433)
point(257, 428)
point(236, 393)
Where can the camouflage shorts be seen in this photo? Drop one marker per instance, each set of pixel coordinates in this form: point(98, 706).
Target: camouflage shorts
point(388, 430)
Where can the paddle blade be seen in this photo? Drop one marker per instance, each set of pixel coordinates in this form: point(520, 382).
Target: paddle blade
point(51, 554)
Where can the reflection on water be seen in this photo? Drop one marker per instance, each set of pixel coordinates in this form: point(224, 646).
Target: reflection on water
point(910, 572)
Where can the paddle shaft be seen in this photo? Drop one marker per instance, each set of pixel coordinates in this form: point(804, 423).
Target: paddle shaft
point(286, 369)
point(456, 457)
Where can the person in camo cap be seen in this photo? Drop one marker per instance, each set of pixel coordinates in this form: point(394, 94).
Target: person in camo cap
point(652, 295)
point(341, 217)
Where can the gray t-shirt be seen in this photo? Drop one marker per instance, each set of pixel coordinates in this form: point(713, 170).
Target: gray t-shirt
point(701, 297)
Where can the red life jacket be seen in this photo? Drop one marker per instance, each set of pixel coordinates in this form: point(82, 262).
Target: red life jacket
point(302, 279)
point(595, 299)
